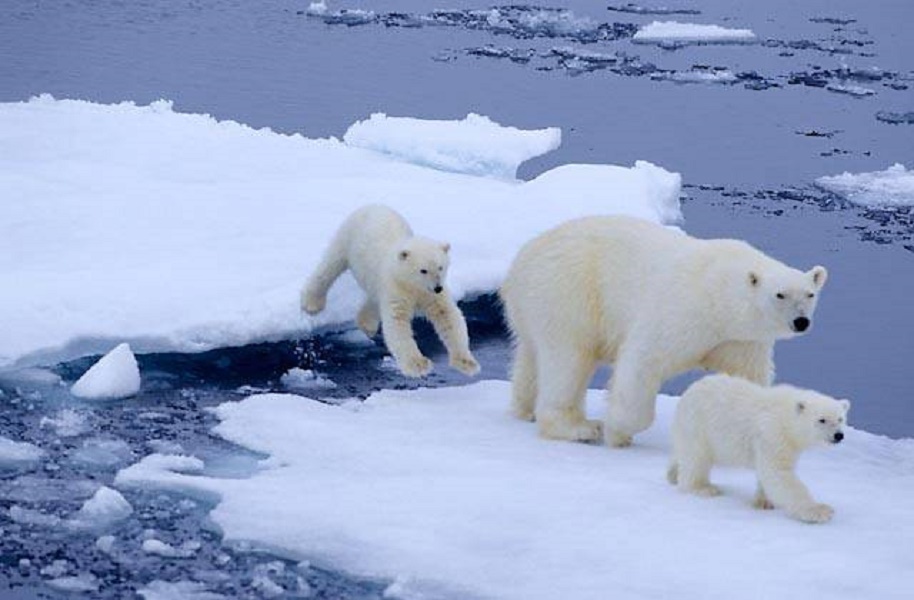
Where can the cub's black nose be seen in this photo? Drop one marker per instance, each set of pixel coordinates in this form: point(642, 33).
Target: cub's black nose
point(838, 437)
point(438, 289)
point(800, 324)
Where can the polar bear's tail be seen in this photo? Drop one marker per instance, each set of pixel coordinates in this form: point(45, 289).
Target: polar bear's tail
point(672, 473)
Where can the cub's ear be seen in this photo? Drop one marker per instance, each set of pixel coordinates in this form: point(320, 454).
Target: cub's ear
point(445, 246)
point(754, 279)
point(819, 276)
point(404, 254)
point(801, 406)
point(845, 404)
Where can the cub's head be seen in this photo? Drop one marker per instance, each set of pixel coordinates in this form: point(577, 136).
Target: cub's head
point(422, 264)
point(787, 298)
point(820, 419)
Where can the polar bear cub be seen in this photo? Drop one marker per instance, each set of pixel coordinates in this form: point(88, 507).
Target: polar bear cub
point(651, 301)
point(723, 420)
point(401, 274)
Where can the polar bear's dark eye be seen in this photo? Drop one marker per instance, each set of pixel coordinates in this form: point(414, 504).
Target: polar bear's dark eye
point(810, 295)
point(423, 271)
point(822, 421)
point(780, 296)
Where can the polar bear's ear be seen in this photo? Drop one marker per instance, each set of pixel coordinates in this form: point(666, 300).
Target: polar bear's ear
point(845, 404)
point(801, 406)
point(819, 275)
point(446, 247)
point(404, 254)
point(754, 279)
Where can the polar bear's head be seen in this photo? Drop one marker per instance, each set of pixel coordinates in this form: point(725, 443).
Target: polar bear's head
point(422, 264)
point(786, 298)
point(819, 419)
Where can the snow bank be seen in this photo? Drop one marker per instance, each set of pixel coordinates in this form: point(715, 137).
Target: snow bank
point(116, 375)
point(444, 492)
point(177, 232)
point(892, 187)
point(690, 33)
point(475, 145)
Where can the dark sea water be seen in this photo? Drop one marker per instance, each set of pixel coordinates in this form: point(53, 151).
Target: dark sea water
point(748, 152)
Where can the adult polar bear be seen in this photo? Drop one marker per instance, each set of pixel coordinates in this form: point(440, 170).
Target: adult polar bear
point(652, 301)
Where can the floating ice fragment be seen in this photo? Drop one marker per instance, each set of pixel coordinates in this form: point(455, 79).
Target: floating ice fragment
point(85, 582)
point(690, 33)
point(116, 375)
point(14, 455)
point(891, 187)
point(305, 379)
point(67, 423)
point(177, 590)
point(102, 510)
point(165, 550)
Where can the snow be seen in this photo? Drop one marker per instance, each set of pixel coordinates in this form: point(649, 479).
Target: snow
point(106, 508)
point(197, 233)
point(116, 375)
point(305, 379)
point(891, 187)
point(15, 454)
point(446, 495)
point(690, 33)
point(475, 146)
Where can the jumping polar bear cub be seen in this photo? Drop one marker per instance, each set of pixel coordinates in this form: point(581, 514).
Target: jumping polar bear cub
point(401, 274)
point(722, 420)
point(652, 301)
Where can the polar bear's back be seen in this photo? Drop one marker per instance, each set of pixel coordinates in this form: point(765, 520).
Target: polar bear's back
point(575, 279)
point(371, 236)
point(728, 414)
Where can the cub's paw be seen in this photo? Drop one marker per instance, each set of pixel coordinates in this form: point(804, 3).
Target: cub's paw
point(416, 366)
point(762, 503)
point(616, 439)
point(312, 303)
point(814, 513)
point(466, 364)
point(707, 491)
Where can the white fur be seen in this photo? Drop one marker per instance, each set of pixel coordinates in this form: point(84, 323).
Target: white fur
point(723, 420)
point(650, 300)
point(400, 274)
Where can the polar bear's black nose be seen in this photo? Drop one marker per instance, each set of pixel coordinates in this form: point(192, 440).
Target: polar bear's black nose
point(838, 437)
point(438, 289)
point(800, 324)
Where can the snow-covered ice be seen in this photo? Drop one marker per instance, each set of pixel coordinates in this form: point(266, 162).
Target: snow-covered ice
point(443, 490)
point(475, 145)
point(690, 33)
point(116, 375)
point(158, 203)
point(891, 187)
point(14, 455)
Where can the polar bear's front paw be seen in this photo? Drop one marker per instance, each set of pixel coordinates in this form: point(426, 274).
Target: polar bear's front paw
point(561, 428)
point(466, 364)
point(416, 366)
point(616, 439)
point(814, 513)
point(312, 303)
point(761, 502)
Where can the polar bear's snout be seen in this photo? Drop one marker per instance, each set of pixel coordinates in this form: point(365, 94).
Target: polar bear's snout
point(801, 324)
point(836, 439)
point(438, 288)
